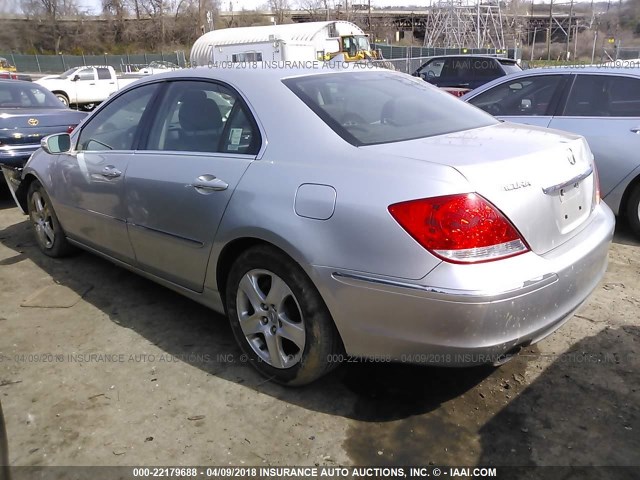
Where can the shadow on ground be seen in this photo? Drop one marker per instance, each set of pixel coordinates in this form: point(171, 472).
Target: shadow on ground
point(575, 412)
point(185, 329)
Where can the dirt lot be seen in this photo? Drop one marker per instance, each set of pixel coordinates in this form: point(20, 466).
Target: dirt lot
point(101, 367)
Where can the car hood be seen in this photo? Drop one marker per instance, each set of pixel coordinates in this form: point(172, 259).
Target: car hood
point(516, 167)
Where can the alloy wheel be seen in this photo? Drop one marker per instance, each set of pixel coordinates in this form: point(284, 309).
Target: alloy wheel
point(42, 220)
point(271, 318)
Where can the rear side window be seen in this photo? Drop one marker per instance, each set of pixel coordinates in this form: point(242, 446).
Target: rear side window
point(487, 68)
point(604, 96)
point(367, 108)
point(203, 117)
point(103, 74)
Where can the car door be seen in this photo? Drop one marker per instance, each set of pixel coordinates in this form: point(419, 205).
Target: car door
point(605, 109)
point(201, 142)
point(106, 83)
point(528, 99)
point(84, 85)
point(90, 178)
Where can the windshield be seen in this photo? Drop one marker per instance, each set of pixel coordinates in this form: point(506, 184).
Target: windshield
point(69, 72)
point(367, 108)
point(20, 95)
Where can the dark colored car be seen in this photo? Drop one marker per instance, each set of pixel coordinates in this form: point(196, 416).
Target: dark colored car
point(4, 449)
point(29, 112)
point(15, 76)
point(465, 72)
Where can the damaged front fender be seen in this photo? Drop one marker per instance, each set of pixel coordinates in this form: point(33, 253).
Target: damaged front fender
point(18, 188)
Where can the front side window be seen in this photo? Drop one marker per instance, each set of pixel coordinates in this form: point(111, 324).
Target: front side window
point(367, 108)
point(203, 117)
point(432, 70)
point(529, 96)
point(604, 96)
point(114, 126)
point(86, 74)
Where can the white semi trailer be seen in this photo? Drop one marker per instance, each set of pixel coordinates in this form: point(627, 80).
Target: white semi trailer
point(290, 42)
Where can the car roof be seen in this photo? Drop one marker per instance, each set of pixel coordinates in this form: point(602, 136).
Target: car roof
point(474, 55)
point(264, 71)
point(570, 69)
point(17, 82)
point(583, 69)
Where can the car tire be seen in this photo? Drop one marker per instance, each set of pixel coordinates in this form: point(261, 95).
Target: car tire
point(50, 237)
point(63, 98)
point(633, 211)
point(279, 319)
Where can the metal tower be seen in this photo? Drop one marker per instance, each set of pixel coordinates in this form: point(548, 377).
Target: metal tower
point(464, 24)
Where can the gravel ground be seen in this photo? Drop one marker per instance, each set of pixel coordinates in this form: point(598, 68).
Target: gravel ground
point(101, 367)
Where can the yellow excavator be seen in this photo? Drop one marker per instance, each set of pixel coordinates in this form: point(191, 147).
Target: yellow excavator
point(354, 48)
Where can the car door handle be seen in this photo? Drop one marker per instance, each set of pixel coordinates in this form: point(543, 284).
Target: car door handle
point(635, 130)
point(209, 183)
point(110, 172)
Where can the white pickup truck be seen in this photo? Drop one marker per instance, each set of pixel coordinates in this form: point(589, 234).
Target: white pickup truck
point(85, 86)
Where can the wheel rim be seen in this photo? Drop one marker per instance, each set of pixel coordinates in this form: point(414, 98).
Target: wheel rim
point(63, 99)
point(42, 220)
point(271, 318)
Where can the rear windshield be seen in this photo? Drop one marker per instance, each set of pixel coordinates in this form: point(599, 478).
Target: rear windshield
point(15, 94)
point(367, 108)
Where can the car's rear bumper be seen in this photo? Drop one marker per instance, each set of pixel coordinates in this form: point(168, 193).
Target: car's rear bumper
point(462, 315)
point(16, 156)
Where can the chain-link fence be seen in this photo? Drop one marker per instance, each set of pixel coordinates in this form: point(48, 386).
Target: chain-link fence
point(403, 58)
point(60, 63)
point(391, 52)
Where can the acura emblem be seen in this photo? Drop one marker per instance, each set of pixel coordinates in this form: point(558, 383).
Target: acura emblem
point(33, 122)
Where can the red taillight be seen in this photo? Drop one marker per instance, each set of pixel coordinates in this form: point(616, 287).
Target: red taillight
point(71, 128)
point(462, 228)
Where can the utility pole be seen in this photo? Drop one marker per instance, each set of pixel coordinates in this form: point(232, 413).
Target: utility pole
point(549, 30)
point(533, 44)
point(369, 14)
point(569, 29)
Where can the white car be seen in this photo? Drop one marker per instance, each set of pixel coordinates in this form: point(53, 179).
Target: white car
point(83, 86)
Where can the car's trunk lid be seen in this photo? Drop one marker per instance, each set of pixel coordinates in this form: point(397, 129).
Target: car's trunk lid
point(542, 180)
point(25, 127)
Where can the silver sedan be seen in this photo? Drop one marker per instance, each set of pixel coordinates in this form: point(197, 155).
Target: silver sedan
point(602, 103)
point(328, 213)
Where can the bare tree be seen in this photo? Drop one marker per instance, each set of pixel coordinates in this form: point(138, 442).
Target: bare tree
point(279, 8)
point(317, 9)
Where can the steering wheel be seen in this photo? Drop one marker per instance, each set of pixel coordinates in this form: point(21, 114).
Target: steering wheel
point(352, 120)
point(493, 108)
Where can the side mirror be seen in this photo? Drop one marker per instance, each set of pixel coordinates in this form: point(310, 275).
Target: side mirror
point(75, 78)
point(54, 144)
point(525, 105)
